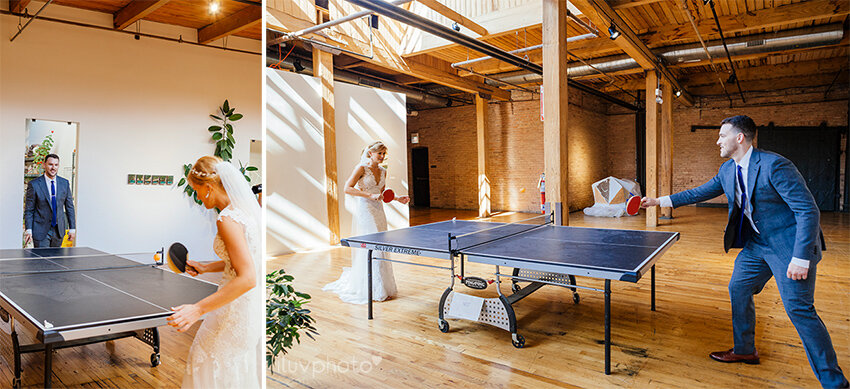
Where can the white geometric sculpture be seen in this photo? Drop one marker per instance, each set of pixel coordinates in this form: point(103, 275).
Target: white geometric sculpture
point(610, 195)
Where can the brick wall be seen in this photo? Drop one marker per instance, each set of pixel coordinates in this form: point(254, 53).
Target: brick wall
point(696, 157)
point(602, 143)
point(515, 153)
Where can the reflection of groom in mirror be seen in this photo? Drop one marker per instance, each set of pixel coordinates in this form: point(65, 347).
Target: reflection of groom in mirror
point(48, 203)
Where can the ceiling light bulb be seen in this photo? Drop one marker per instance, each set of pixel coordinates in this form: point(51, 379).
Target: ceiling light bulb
point(214, 7)
point(678, 93)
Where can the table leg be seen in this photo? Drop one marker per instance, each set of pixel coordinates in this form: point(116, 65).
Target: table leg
point(607, 327)
point(48, 365)
point(16, 348)
point(653, 287)
point(369, 282)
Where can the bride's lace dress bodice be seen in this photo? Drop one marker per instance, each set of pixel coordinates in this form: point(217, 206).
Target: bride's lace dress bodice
point(369, 217)
point(226, 352)
point(369, 214)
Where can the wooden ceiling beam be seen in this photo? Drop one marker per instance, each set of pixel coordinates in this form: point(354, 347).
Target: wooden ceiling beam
point(246, 18)
point(629, 41)
point(775, 84)
point(751, 74)
point(765, 18)
point(436, 70)
point(133, 11)
point(454, 16)
point(18, 6)
point(621, 4)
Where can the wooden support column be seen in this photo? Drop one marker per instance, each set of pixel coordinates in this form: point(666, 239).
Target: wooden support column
point(323, 68)
point(653, 123)
point(483, 178)
point(665, 160)
point(555, 98)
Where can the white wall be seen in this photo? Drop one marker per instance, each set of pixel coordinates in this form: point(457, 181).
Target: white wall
point(294, 195)
point(297, 217)
point(364, 115)
point(142, 107)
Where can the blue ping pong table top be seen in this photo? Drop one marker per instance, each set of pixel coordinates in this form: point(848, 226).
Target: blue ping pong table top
point(605, 253)
point(70, 299)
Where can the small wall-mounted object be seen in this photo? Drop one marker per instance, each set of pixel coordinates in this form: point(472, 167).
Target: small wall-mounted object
point(149, 179)
point(414, 138)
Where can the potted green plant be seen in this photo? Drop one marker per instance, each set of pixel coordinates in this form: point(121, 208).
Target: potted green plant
point(286, 316)
point(222, 134)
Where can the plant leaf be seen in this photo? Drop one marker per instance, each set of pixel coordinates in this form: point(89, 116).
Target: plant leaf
point(252, 168)
point(214, 128)
point(216, 117)
point(217, 136)
point(182, 181)
point(226, 106)
point(235, 117)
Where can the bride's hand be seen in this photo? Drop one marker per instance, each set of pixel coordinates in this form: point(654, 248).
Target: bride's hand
point(403, 199)
point(376, 197)
point(184, 316)
point(200, 267)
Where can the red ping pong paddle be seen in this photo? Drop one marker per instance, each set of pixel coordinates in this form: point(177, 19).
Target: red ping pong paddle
point(633, 205)
point(177, 257)
point(389, 195)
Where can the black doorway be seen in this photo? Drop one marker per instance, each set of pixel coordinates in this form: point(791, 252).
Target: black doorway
point(815, 151)
point(421, 183)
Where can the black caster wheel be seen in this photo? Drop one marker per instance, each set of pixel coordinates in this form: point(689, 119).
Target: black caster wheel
point(154, 360)
point(517, 340)
point(576, 298)
point(16, 383)
point(444, 326)
point(515, 287)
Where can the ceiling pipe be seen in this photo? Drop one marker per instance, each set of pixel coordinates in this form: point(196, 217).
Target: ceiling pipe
point(523, 50)
point(319, 27)
point(356, 79)
point(754, 44)
point(446, 33)
point(20, 30)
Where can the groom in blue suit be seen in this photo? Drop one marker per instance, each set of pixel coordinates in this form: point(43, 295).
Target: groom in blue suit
point(48, 204)
point(774, 218)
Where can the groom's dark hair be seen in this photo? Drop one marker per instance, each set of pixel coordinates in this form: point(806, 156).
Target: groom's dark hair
point(743, 124)
point(51, 155)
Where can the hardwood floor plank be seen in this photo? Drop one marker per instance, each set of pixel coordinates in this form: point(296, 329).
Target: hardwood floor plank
point(667, 348)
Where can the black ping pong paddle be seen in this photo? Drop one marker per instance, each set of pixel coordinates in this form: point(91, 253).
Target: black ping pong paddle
point(178, 255)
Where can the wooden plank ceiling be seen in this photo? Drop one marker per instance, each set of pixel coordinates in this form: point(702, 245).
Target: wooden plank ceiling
point(237, 18)
point(515, 24)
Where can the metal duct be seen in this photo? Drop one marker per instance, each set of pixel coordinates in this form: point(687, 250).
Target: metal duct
point(754, 44)
point(351, 78)
point(444, 32)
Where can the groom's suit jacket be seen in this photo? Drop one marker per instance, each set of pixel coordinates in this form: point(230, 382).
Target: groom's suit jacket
point(38, 213)
point(783, 210)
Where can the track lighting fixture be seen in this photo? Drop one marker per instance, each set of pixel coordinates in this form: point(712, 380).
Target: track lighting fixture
point(613, 32)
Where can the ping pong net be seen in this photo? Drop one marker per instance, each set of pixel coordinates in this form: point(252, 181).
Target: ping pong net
point(499, 231)
point(23, 262)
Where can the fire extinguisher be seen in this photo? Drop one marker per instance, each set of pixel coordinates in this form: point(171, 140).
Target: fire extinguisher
point(542, 186)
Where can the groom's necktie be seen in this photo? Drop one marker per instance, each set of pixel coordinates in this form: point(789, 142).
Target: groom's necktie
point(53, 202)
point(743, 204)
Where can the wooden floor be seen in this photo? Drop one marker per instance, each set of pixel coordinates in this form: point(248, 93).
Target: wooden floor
point(402, 346)
point(122, 363)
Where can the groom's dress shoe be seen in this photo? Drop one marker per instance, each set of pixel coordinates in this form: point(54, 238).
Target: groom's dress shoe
point(730, 357)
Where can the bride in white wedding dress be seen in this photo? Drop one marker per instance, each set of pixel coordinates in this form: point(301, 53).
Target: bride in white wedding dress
point(366, 185)
point(228, 347)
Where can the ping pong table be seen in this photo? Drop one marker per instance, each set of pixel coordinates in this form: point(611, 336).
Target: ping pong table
point(542, 254)
point(76, 296)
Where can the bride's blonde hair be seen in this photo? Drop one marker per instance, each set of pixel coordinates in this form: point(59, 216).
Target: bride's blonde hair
point(374, 146)
point(203, 172)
